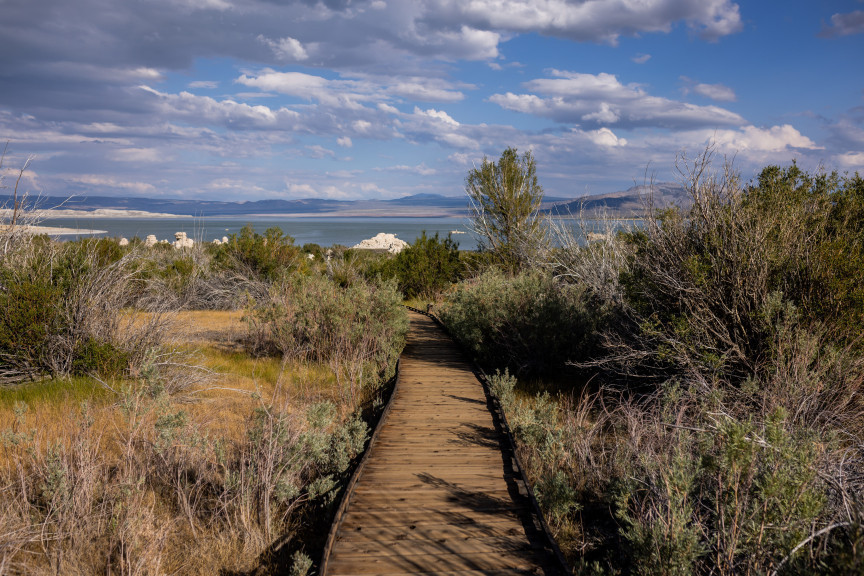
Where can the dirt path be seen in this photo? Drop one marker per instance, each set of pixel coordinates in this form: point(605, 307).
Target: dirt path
point(438, 492)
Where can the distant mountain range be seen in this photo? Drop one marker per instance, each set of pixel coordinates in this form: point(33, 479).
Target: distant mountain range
point(630, 203)
point(617, 204)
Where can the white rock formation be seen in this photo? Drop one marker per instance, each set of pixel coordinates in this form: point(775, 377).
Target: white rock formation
point(123, 242)
point(181, 241)
point(150, 241)
point(382, 241)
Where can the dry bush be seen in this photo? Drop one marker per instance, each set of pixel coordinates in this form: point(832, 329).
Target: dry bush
point(358, 330)
point(196, 279)
point(153, 492)
point(529, 322)
point(745, 455)
point(591, 253)
point(65, 310)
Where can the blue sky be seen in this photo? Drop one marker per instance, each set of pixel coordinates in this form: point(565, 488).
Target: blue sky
point(252, 99)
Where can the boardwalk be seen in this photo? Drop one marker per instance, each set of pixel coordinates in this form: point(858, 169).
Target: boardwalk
point(438, 493)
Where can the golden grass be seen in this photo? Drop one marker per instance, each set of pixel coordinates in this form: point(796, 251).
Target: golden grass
point(220, 408)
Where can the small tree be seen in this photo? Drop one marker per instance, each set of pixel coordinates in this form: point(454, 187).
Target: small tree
point(428, 266)
point(505, 201)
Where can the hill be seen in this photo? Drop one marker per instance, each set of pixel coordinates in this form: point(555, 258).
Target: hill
point(630, 203)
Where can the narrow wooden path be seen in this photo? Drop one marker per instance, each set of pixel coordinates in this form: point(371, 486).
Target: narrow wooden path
point(438, 492)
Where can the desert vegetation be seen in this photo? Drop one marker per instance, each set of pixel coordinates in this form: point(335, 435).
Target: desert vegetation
point(711, 422)
point(685, 392)
point(191, 411)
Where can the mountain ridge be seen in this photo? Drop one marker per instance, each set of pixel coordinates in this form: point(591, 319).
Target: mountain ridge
point(624, 203)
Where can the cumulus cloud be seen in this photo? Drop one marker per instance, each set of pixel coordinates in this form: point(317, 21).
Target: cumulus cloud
point(437, 126)
point(205, 110)
point(345, 142)
point(641, 58)
point(774, 139)
point(352, 92)
point(602, 100)
point(851, 160)
point(286, 49)
point(844, 25)
point(595, 20)
point(605, 137)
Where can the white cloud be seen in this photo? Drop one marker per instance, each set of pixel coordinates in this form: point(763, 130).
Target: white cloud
point(595, 20)
point(464, 43)
point(605, 137)
point(420, 169)
point(206, 110)
point(136, 155)
point(425, 92)
point(844, 24)
point(774, 139)
point(361, 126)
point(301, 190)
point(601, 100)
point(103, 181)
point(318, 152)
point(717, 92)
point(219, 5)
point(298, 84)
point(208, 84)
point(286, 49)
point(641, 58)
point(345, 142)
point(851, 161)
point(438, 115)
point(460, 158)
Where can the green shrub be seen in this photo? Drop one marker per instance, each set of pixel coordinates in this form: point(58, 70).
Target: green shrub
point(62, 309)
point(359, 330)
point(702, 285)
point(428, 267)
point(270, 255)
point(529, 323)
point(102, 358)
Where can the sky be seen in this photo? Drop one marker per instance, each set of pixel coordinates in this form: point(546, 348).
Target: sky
point(375, 99)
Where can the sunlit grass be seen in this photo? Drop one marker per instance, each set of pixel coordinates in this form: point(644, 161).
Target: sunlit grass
point(72, 390)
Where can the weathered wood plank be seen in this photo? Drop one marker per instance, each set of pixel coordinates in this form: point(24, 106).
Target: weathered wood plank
point(435, 493)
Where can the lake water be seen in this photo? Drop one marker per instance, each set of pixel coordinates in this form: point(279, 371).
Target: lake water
point(324, 231)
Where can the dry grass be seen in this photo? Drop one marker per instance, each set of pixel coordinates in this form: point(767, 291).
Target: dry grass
point(97, 428)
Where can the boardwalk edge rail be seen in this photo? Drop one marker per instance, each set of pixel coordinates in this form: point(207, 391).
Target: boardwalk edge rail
point(537, 513)
point(349, 488)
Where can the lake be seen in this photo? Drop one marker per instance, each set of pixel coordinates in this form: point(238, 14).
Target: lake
point(325, 231)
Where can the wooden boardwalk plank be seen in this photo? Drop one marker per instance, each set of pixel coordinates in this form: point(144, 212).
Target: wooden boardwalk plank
point(438, 493)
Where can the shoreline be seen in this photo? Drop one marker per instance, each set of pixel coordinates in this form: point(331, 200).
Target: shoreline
point(54, 230)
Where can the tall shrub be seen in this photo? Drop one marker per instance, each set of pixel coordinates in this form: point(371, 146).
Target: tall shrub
point(359, 330)
point(428, 266)
point(530, 322)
